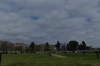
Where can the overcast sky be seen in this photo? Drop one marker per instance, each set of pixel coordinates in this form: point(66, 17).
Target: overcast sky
point(50, 21)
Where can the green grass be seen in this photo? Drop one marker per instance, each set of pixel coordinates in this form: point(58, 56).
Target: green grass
point(73, 59)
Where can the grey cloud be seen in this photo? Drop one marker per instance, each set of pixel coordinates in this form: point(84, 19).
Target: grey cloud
point(50, 20)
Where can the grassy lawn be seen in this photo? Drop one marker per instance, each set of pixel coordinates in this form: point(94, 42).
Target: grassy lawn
point(73, 59)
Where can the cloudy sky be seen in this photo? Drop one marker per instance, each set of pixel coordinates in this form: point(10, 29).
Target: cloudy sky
point(50, 21)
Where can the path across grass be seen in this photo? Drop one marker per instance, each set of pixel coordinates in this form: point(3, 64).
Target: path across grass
point(59, 56)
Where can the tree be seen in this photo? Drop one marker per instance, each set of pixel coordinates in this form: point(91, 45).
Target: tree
point(32, 45)
point(57, 45)
point(18, 48)
point(84, 45)
point(27, 49)
point(10, 46)
point(80, 47)
point(87, 47)
point(63, 47)
point(68, 47)
point(73, 45)
point(47, 47)
point(37, 48)
point(4, 47)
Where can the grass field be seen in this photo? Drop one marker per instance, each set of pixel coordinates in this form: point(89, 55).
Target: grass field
point(72, 59)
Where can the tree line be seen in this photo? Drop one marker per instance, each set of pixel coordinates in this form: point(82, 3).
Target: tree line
point(71, 46)
point(6, 46)
point(9, 47)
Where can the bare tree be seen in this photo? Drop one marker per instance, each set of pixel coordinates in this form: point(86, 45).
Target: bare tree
point(4, 46)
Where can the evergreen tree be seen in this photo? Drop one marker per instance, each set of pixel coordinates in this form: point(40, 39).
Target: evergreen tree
point(32, 45)
point(68, 47)
point(57, 45)
point(84, 45)
point(47, 47)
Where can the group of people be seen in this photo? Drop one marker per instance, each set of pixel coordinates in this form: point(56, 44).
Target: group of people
point(97, 53)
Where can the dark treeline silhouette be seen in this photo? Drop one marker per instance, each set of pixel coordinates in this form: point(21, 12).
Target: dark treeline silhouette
point(71, 46)
point(82, 46)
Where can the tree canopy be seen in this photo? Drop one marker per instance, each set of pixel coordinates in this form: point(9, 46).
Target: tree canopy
point(82, 46)
point(32, 45)
point(47, 47)
point(73, 45)
point(57, 45)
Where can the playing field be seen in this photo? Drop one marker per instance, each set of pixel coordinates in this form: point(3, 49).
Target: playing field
point(69, 59)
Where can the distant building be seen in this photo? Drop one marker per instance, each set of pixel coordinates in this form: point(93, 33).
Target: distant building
point(21, 44)
point(52, 48)
point(94, 49)
point(42, 47)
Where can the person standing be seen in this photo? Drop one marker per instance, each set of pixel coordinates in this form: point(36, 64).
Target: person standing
point(83, 52)
point(97, 53)
point(0, 57)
